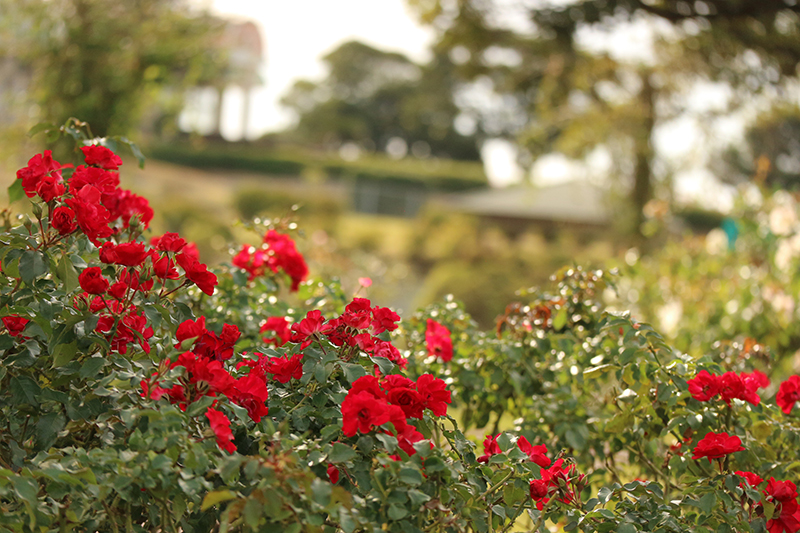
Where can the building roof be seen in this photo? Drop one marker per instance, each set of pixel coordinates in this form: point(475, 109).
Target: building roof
point(576, 202)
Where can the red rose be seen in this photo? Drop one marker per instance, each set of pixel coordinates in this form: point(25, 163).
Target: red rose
point(434, 394)
point(717, 445)
point(251, 392)
point(285, 256)
point(104, 181)
point(63, 220)
point(92, 281)
point(130, 254)
point(780, 490)
point(163, 267)
point(15, 324)
point(222, 429)
point(788, 394)
point(787, 514)
point(438, 342)
point(124, 204)
point(197, 272)
point(49, 187)
point(384, 319)
point(361, 412)
point(189, 329)
point(752, 479)
point(101, 156)
point(312, 324)
point(538, 489)
point(169, 242)
point(490, 448)
point(39, 166)
point(284, 369)
point(92, 217)
point(704, 386)
point(537, 453)
point(408, 400)
point(280, 326)
point(333, 474)
point(370, 385)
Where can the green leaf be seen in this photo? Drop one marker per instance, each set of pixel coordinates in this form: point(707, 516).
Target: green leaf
point(384, 365)
point(32, 265)
point(252, 512)
point(40, 127)
point(24, 390)
point(67, 274)
point(64, 353)
point(626, 528)
point(346, 520)
point(389, 442)
point(560, 319)
point(15, 191)
point(706, 503)
point(341, 453)
point(417, 498)
point(213, 498)
point(47, 429)
point(397, 512)
point(92, 366)
point(27, 489)
point(352, 372)
point(410, 476)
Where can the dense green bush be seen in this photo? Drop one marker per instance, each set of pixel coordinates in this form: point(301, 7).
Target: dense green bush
point(140, 391)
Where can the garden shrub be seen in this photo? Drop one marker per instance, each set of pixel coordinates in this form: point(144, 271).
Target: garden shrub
point(141, 391)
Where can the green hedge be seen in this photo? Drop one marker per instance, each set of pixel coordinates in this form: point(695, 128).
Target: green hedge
point(439, 175)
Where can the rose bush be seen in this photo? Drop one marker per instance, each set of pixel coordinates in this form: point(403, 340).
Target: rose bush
point(142, 391)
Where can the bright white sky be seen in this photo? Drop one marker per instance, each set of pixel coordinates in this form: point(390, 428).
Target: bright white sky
point(297, 33)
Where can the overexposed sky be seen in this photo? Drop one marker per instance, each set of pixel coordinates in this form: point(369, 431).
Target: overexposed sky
point(297, 33)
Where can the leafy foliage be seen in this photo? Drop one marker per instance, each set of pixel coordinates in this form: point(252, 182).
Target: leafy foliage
point(139, 391)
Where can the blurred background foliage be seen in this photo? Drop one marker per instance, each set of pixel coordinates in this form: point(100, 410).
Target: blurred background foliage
point(385, 149)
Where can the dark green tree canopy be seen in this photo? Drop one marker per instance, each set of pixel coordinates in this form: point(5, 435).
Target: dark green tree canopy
point(371, 96)
point(572, 99)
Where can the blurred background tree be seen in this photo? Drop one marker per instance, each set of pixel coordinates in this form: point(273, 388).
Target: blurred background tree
point(772, 151)
point(110, 62)
point(566, 95)
point(370, 97)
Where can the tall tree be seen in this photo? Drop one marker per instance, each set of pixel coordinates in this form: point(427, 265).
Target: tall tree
point(573, 98)
point(104, 61)
point(371, 96)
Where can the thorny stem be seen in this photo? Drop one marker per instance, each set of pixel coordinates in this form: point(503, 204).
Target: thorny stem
point(518, 512)
point(497, 485)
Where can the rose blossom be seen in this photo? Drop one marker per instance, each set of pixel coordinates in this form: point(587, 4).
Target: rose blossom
point(717, 445)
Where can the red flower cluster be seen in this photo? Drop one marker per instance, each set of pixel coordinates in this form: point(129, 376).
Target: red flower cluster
point(92, 200)
point(206, 343)
point(786, 517)
point(537, 453)
point(717, 445)
point(559, 478)
point(438, 341)
point(358, 326)
point(119, 318)
point(788, 394)
point(705, 386)
point(277, 252)
point(205, 374)
point(371, 402)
